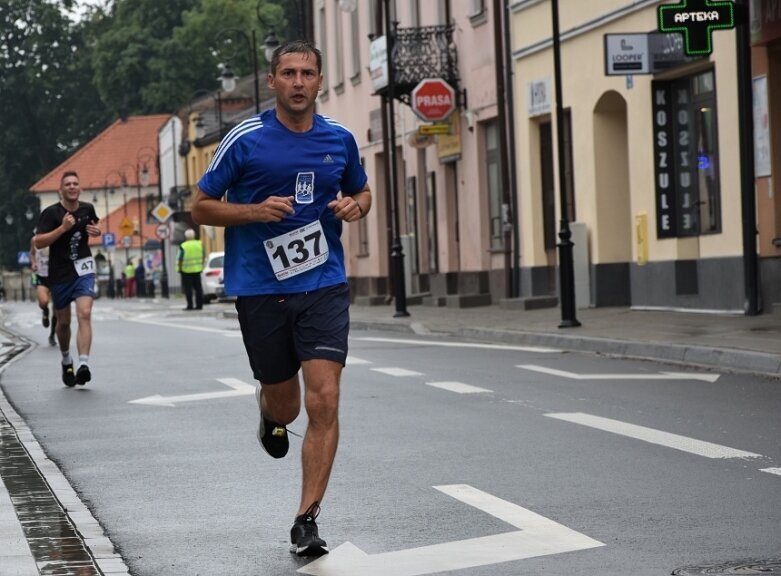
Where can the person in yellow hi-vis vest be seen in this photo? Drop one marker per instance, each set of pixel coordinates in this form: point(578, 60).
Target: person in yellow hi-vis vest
point(189, 263)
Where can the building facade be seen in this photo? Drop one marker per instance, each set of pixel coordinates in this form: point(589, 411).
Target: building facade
point(652, 157)
point(445, 207)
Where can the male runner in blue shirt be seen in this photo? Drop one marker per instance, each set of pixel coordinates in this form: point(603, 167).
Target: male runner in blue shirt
point(291, 178)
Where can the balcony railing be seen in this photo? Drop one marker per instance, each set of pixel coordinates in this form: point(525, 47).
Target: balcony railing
point(423, 52)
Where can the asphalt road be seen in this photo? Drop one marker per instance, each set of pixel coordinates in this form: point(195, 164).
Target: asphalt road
point(455, 458)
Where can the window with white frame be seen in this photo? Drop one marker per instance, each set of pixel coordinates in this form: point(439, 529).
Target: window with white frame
point(355, 42)
point(323, 33)
point(338, 46)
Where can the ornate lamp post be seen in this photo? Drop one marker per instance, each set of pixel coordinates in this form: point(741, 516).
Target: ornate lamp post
point(224, 40)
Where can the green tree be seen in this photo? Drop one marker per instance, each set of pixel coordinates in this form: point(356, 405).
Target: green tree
point(48, 106)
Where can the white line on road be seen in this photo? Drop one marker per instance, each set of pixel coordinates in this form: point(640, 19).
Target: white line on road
point(659, 376)
point(458, 387)
point(240, 388)
point(353, 361)
point(776, 471)
point(460, 345)
point(652, 436)
point(226, 333)
point(400, 372)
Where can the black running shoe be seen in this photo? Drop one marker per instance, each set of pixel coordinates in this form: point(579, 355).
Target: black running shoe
point(52, 341)
point(45, 317)
point(68, 377)
point(83, 375)
point(272, 436)
point(305, 541)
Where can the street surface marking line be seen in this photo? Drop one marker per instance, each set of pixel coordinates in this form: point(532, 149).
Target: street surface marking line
point(226, 333)
point(537, 536)
point(239, 388)
point(353, 361)
point(653, 436)
point(458, 387)
point(400, 372)
point(658, 376)
point(460, 344)
point(776, 471)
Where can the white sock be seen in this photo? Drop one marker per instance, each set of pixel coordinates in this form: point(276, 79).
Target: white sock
point(66, 357)
point(83, 359)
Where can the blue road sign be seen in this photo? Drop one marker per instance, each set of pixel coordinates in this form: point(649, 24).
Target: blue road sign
point(109, 240)
point(23, 258)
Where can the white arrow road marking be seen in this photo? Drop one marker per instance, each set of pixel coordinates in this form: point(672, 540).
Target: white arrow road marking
point(239, 389)
point(458, 387)
point(659, 376)
point(460, 345)
point(652, 436)
point(776, 471)
point(538, 536)
point(400, 372)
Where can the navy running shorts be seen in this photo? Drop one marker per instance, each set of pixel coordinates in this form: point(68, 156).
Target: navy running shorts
point(282, 330)
point(66, 292)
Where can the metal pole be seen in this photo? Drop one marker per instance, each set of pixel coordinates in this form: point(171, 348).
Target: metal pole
point(752, 305)
point(501, 118)
point(397, 254)
point(110, 289)
point(566, 272)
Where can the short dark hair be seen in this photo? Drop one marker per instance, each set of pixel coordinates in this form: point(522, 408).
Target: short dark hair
point(296, 47)
point(68, 173)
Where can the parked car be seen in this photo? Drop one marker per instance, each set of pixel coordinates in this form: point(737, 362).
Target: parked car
point(211, 276)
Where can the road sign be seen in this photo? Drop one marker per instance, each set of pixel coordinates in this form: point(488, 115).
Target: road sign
point(109, 240)
point(23, 258)
point(696, 20)
point(126, 241)
point(163, 231)
point(126, 227)
point(433, 99)
point(433, 129)
point(162, 212)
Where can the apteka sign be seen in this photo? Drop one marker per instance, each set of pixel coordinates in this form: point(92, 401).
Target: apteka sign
point(696, 20)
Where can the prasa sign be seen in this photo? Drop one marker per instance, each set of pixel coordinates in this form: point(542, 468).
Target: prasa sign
point(433, 100)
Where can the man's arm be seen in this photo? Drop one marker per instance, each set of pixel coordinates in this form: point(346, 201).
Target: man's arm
point(354, 207)
point(215, 212)
point(33, 259)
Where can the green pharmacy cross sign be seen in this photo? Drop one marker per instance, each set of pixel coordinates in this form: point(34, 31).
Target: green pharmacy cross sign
point(696, 20)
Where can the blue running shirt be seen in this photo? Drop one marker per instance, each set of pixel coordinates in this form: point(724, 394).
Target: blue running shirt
point(260, 158)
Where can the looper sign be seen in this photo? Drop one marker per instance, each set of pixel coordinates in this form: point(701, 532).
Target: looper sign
point(433, 100)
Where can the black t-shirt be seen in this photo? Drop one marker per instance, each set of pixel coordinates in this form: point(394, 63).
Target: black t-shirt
point(68, 253)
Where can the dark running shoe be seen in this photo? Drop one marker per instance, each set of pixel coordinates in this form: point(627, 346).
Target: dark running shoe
point(68, 377)
point(305, 541)
point(83, 375)
point(272, 436)
point(52, 341)
point(45, 317)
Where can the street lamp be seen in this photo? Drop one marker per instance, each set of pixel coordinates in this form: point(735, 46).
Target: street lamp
point(200, 125)
point(9, 219)
point(397, 253)
point(228, 78)
point(566, 265)
point(144, 156)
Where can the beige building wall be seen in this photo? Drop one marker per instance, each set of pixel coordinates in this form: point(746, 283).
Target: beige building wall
point(613, 134)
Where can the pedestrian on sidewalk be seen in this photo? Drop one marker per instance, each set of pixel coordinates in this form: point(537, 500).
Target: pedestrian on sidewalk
point(284, 262)
point(65, 228)
point(130, 279)
point(189, 263)
point(39, 264)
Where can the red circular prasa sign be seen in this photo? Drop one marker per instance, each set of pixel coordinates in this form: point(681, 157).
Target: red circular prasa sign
point(433, 100)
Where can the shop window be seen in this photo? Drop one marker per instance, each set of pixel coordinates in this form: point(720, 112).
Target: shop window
point(686, 156)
